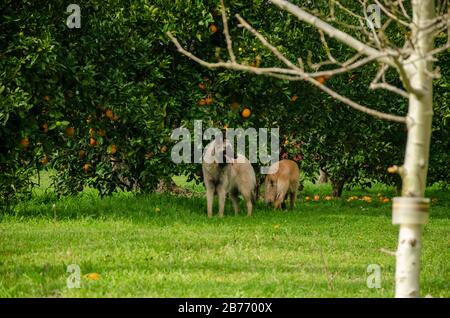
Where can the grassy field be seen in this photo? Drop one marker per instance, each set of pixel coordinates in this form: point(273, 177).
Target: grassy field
point(165, 246)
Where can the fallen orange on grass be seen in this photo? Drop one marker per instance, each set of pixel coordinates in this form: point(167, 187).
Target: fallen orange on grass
point(294, 98)
point(316, 197)
point(93, 276)
point(328, 197)
point(307, 198)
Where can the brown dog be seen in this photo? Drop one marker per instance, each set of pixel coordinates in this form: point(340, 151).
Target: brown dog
point(234, 177)
point(283, 178)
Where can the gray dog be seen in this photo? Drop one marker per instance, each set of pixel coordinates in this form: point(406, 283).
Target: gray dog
point(223, 175)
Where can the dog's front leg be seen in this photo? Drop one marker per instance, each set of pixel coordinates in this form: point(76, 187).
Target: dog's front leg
point(209, 199)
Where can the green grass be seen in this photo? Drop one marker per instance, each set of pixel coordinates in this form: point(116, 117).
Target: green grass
point(321, 249)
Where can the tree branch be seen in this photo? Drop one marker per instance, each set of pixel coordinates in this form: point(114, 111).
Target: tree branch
point(300, 75)
point(227, 33)
point(333, 32)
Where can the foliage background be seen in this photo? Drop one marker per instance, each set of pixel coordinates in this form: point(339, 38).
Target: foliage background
point(119, 81)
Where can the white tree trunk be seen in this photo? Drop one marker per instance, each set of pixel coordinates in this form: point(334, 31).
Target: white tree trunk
point(414, 171)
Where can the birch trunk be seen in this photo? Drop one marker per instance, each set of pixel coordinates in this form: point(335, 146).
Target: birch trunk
point(414, 174)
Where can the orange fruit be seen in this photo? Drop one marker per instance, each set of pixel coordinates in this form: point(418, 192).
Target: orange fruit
point(307, 198)
point(201, 102)
point(149, 155)
point(163, 149)
point(321, 79)
point(294, 98)
point(386, 200)
point(46, 98)
point(208, 100)
point(328, 198)
point(86, 167)
point(44, 128)
point(246, 113)
point(25, 142)
point(109, 114)
point(201, 86)
point(112, 149)
point(92, 142)
point(91, 132)
point(70, 131)
point(92, 276)
point(316, 197)
point(44, 160)
point(213, 28)
point(81, 153)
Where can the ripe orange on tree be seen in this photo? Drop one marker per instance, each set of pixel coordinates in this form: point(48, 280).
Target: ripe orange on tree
point(44, 128)
point(201, 102)
point(202, 86)
point(294, 98)
point(321, 79)
point(109, 113)
point(163, 149)
point(70, 131)
point(25, 142)
point(44, 160)
point(208, 100)
point(112, 149)
point(86, 167)
point(246, 113)
point(92, 142)
point(81, 153)
point(213, 28)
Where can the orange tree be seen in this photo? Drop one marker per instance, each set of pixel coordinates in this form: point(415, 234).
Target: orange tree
point(98, 104)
